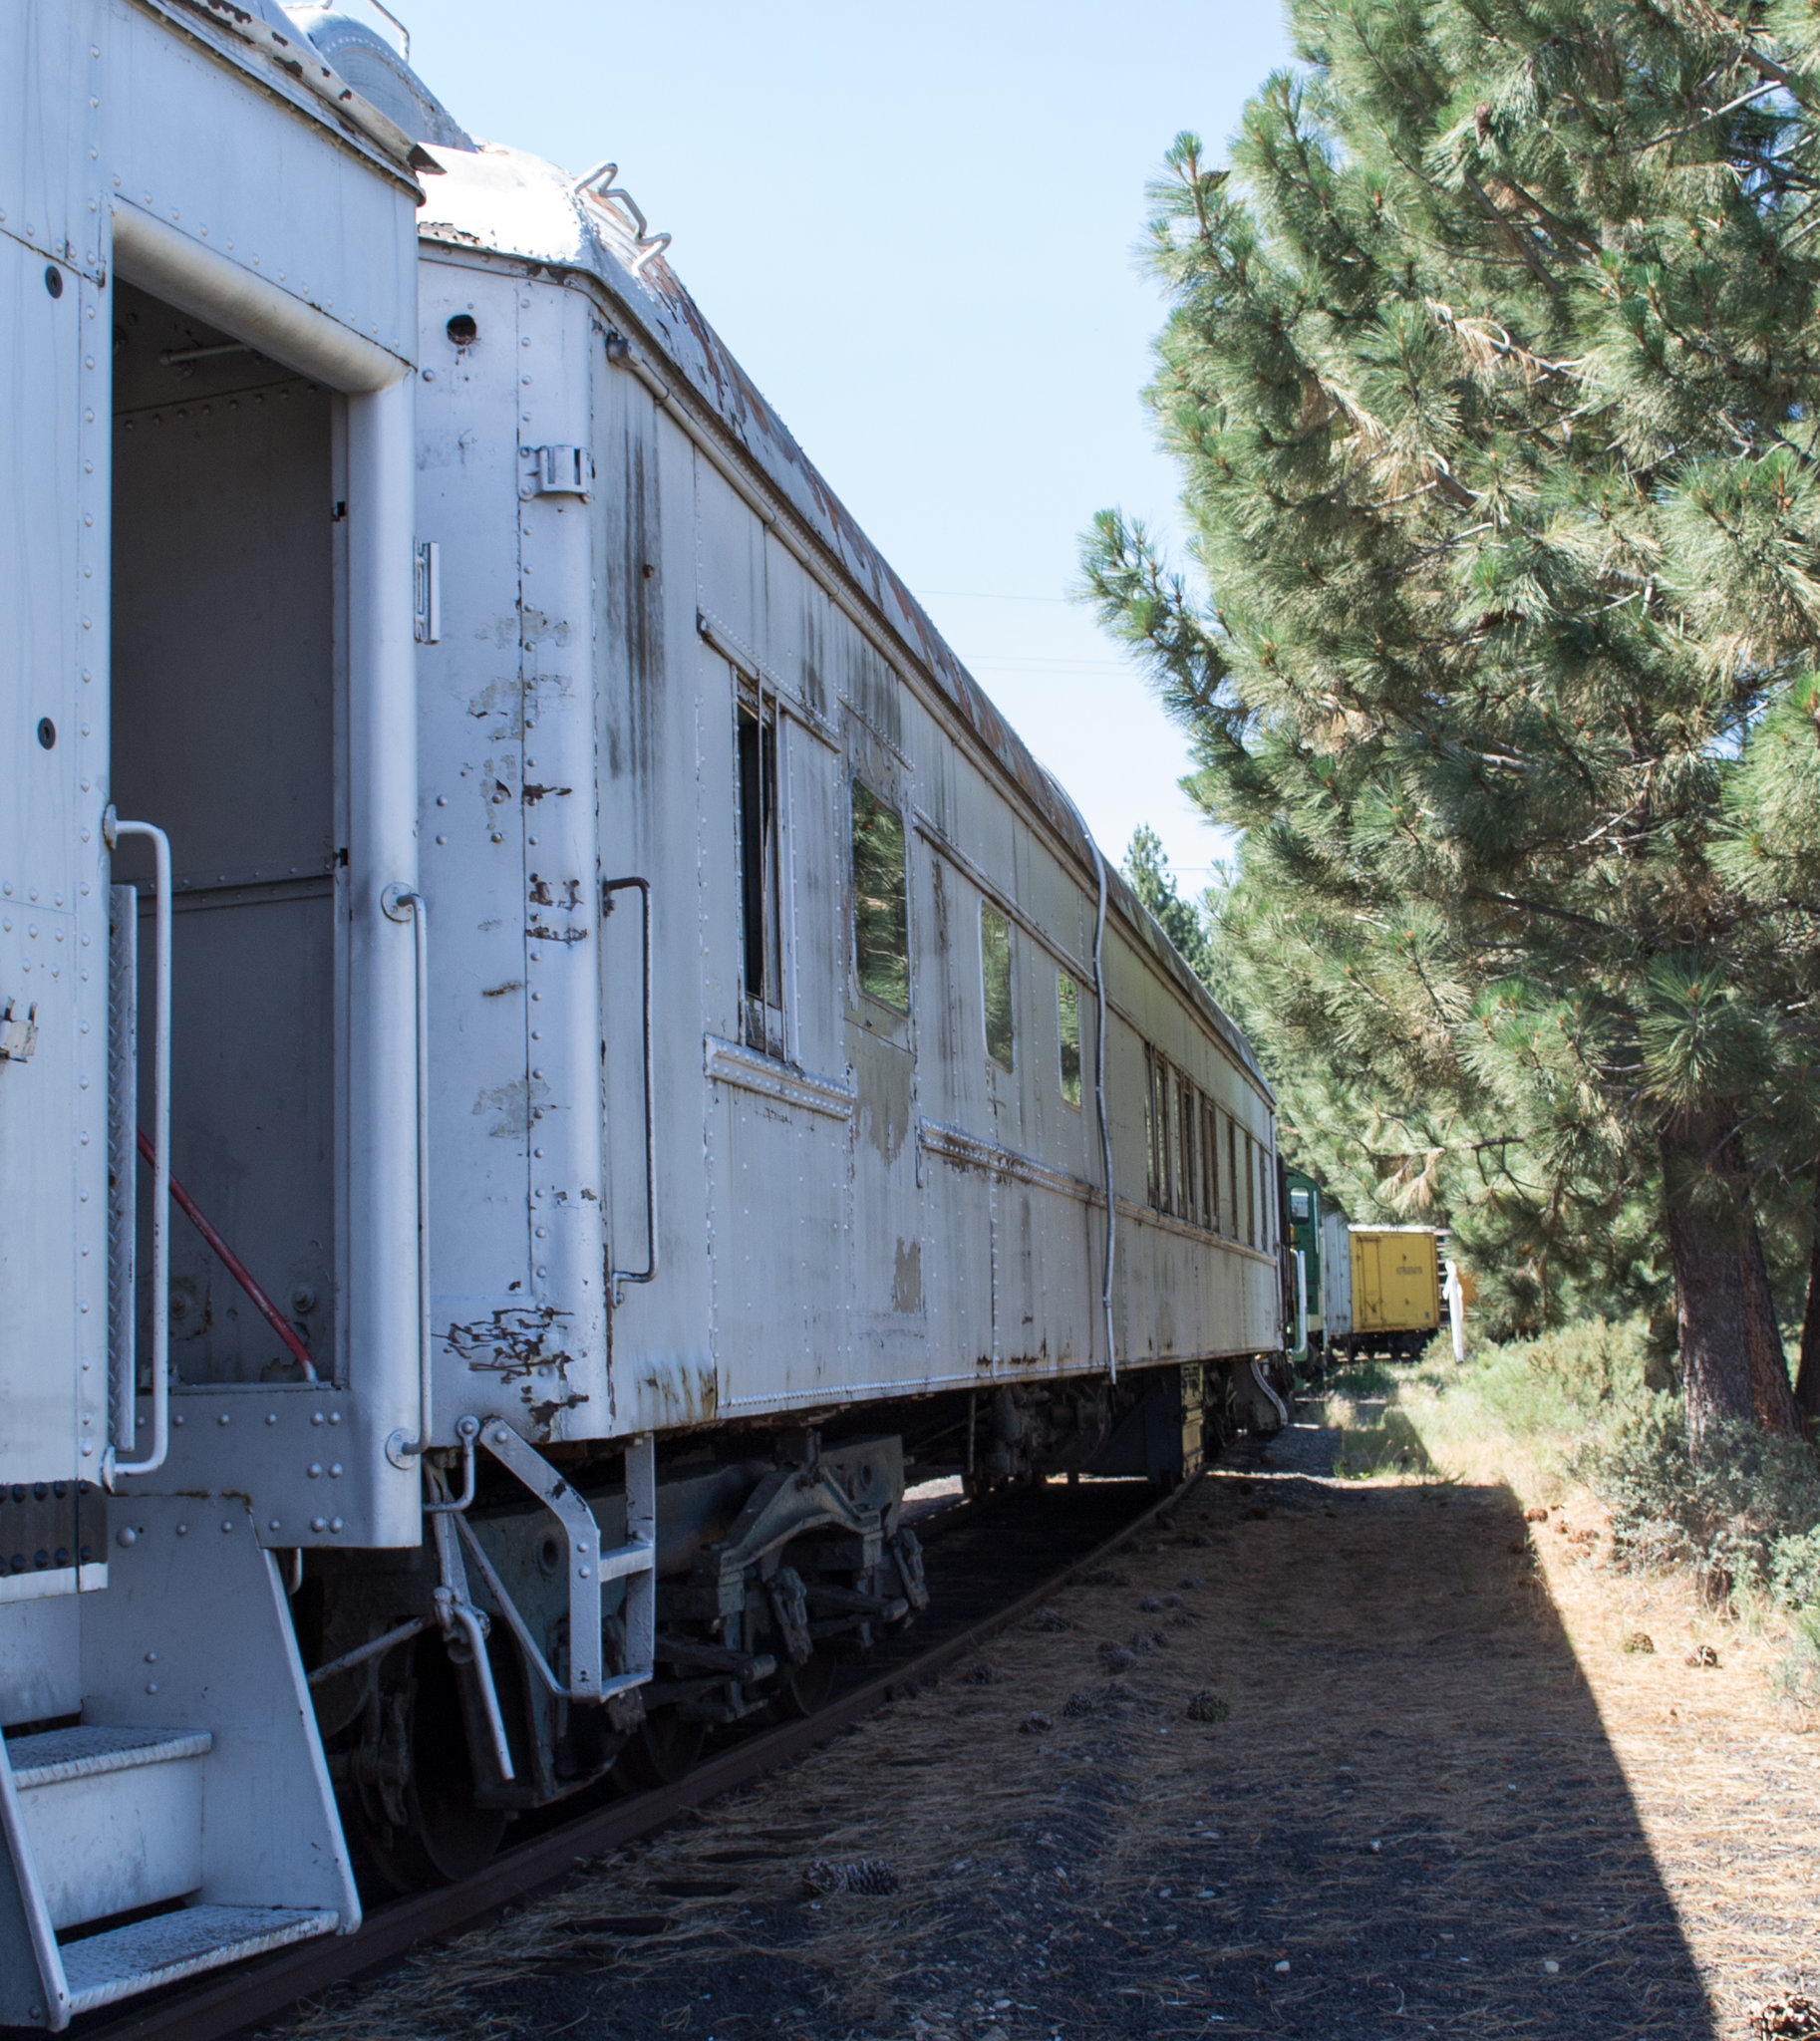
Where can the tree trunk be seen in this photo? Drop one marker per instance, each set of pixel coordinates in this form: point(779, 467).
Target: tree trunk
point(1773, 1400)
point(1807, 1381)
point(1732, 1365)
point(1710, 1311)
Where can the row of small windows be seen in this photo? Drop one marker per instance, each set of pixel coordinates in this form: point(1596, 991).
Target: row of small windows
point(1203, 1167)
point(1188, 1175)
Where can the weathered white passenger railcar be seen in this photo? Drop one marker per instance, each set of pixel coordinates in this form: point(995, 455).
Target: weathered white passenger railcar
point(666, 652)
point(639, 1039)
point(195, 652)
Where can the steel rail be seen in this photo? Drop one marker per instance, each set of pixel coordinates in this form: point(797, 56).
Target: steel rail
point(231, 2003)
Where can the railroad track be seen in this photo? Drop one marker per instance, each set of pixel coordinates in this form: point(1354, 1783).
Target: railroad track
point(1023, 1531)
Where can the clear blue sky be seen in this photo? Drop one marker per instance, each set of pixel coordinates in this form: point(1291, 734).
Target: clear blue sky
point(915, 226)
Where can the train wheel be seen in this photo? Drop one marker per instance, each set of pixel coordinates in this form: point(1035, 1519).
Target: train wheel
point(443, 1836)
point(659, 1751)
point(1219, 1412)
point(806, 1688)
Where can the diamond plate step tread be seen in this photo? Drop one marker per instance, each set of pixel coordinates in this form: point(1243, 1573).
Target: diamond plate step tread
point(127, 1961)
point(54, 1755)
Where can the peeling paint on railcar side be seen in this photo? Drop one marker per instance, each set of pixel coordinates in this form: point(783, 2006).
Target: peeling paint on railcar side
point(681, 1392)
point(884, 1079)
point(513, 1339)
point(907, 1280)
point(519, 1103)
point(515, 1343)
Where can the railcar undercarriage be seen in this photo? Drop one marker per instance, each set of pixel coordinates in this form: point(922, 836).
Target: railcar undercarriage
point(783, 1554)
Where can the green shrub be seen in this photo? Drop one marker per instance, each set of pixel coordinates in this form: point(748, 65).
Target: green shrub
point(1587, 1366)
point(1796, 1677)
point(1746, 1518)
point(1794, 1573)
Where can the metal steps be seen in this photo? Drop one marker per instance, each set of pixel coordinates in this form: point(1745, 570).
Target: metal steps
point(113, 1815)
point(108, 1819)
point(125, 1960)
point(185, 1821)
point(87, 1750)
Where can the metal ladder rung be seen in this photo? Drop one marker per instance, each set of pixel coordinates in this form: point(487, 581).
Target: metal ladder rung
point(618, 1562)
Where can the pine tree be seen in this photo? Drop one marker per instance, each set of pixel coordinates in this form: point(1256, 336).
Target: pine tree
point(1494, 377)
point(1147, 867)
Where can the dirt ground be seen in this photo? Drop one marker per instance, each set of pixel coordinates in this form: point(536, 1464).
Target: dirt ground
point(1312, 1757)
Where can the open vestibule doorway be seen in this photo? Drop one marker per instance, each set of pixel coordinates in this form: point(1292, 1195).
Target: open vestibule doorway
point(228, 732)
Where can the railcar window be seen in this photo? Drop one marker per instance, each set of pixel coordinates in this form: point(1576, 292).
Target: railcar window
point(1152, 1165)
point(994, 970)
point(762, 974)
point(1251, 1192)
point(1210, 1177)
point(1209, 1161)
point(1190, 1188)
point(1067, 1013)
point(1169, 1133)
point(881, 901)
point(1232, 1171)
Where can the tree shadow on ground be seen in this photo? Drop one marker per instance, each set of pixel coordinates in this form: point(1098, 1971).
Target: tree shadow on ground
point(1420, 1813)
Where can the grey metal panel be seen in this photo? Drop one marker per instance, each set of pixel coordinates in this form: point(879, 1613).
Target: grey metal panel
point(53, 902)
point(40, 1675)
point(560, 899)
point(472, 829)
point(197, 1588)
point(665, 717)
point(781, 1244)
point(55, 57)
point(259, 175)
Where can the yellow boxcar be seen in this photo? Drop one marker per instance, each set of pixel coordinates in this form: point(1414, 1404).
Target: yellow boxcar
point(1396, 1287)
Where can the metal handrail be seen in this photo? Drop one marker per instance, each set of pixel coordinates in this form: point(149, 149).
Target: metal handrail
point(112, 829)
point(617, 1278)
point(400, 904)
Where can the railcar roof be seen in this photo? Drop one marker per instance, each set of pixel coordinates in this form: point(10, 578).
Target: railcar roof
point(277, 45)
point(507, 201)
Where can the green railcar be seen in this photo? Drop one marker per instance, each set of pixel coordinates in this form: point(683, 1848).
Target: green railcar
point(1306, 1202)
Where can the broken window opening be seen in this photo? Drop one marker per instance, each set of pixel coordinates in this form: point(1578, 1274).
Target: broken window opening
point(1068, 1010)
point(761, 974)
point(995, 972)
point(1210, 1176)
point(881, 901)
point(1152, 1169)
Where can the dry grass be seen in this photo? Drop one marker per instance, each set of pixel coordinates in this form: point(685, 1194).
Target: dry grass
point(1441, 1774)
point(1725, 1781)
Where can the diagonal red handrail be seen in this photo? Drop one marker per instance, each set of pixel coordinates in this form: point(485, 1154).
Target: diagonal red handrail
point(236, 1267)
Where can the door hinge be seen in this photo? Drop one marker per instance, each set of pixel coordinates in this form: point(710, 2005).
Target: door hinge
point(558, 471)
point(428, 593)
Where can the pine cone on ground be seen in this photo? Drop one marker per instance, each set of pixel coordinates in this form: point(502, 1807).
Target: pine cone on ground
point(870, 1875)
point(1793, 2017)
